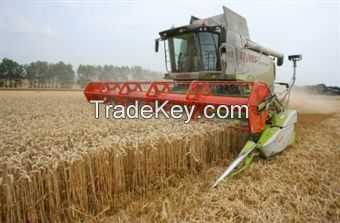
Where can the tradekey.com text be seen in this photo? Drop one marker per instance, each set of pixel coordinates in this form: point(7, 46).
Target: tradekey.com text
point(135, 111)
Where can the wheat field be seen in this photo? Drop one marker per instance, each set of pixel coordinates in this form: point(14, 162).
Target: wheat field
point(59, 164)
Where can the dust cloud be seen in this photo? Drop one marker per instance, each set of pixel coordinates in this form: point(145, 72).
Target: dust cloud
point(310, 103)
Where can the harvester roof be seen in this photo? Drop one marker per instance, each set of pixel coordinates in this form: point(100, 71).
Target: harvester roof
point(230, 20)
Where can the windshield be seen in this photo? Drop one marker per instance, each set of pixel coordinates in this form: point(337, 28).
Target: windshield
point(192, 52)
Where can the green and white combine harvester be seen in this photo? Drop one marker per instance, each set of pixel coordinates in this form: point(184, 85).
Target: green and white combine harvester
point(212, 61)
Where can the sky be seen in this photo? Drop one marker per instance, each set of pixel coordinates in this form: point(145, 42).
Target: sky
point(123, 33)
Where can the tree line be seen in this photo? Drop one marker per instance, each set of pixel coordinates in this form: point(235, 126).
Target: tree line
point(41, 74)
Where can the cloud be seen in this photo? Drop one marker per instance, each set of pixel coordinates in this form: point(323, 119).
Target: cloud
point(16, 23)
point(103, 21)
point(113, 23)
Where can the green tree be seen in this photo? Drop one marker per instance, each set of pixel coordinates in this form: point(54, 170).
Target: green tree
point(86, 73)
point(107, 73)
point(11, 73)
point(31, 71)
point(64, 74)
point(38, 74)
point(53, 76)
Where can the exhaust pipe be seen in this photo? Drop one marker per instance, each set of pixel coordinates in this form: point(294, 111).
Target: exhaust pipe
point(265, 51)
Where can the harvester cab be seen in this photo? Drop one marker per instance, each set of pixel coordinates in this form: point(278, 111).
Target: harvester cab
point(217, 48)
point(213, 62)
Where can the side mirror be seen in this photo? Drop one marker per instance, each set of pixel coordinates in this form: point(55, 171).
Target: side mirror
point(296, 57)
point(156, 45)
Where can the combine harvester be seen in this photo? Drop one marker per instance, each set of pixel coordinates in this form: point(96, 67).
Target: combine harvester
point(212, 61)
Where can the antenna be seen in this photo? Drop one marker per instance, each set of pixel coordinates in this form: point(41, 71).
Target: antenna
point(293, 58)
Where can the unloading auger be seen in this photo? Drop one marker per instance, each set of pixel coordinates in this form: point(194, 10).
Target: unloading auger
point(212, 61)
